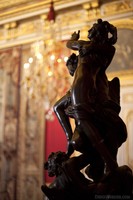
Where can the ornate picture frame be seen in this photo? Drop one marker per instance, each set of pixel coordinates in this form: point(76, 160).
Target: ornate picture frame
point(122, 63)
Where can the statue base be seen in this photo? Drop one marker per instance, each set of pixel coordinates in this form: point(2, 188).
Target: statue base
point(71, 184)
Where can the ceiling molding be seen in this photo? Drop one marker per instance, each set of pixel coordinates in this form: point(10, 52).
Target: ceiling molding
point(24, 11)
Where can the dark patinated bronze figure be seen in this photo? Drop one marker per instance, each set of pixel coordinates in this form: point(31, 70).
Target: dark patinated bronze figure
point(94, 103)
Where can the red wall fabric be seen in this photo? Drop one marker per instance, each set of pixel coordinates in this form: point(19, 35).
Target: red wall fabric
point(55, 140)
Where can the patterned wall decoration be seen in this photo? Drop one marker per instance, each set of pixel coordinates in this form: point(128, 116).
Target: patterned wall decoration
point(10, 67)
point(22, 134)
point(31, 143)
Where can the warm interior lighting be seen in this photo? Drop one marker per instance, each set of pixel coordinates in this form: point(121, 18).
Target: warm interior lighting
point(26, 65)
point(46, 78)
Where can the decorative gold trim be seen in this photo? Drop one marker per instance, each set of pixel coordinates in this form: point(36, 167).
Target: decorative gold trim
point(124, 23)
point(44, 5)
point(24, 8)
point(115, 7)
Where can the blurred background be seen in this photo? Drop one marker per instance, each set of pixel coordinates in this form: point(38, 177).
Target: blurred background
point(33, 76)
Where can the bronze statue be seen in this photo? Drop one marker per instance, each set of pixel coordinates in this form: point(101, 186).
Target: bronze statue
point(94, 103)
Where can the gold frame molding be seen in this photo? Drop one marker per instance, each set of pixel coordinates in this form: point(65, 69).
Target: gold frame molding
point(128, 74)
point(17, 25)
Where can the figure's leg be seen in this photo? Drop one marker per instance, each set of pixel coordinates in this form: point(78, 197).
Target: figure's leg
point(59, 109)
point(73, 166)
point(98, 143)
point(81, 143)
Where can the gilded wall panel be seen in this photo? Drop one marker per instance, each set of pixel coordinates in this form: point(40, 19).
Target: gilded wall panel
point(125, 155)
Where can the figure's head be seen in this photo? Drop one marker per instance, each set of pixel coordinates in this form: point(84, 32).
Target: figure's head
point(54, 163)
point(100, 32)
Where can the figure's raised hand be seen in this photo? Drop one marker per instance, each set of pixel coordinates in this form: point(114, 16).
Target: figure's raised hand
point(75, 36)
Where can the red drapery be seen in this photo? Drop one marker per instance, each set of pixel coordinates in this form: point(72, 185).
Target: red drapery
point(55, 140)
